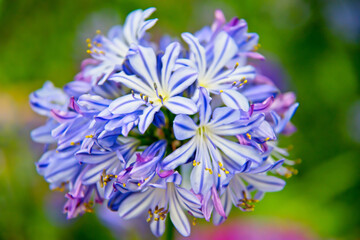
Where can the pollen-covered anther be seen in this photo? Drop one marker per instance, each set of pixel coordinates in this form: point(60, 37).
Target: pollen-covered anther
point(89, 136)
point(236, 65)
point(219, 175)
point(221, 91)
point(98, 32)
point(292, 170)
point(89, 207)
point(74, 143)
point(267, 139)
point(161, 98)
point(194, 221)
point(195, 163)
point(88, 51)
point(242, 81)
point(88, 40)
point(61, 188)
point(209, 169)
point(256, 47)
point(248, 136)
point(247, 204)
point(105, 178)
point(159, 214)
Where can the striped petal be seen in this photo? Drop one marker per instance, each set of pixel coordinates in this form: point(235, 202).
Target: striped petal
point(177, 216)
point(135, 204)
point(197, 51)
point(144, 63)
point(147, 117)
point(181, 79)
point(204, 106)
point(224, 50)
point(168, 62)
point(125, 104)
point(224, 115)
point(235, 100)
point(235, 151)
point(179, 156)
point(264, 183)
point(184, 127)
point(133, 82)
point(181, 105)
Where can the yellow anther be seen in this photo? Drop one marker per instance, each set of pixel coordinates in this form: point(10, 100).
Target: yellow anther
point(210, 171)
point(156, 219)
point(89, 136)
point(288, 175)
point(221, 91)
point(226, 172)
point(248, 135)
point(88, 51)
point(219, 175)
point(148, 220)
point(72, 143)
point(89, 45)
point(298, 161)
point(220, 164)
point(57, 151)
point(245, 81)
point(99, 45)
point(95, 51)
point(124, 185)
point(236, 65)
point(139, 184)
point(267, 139)
point(194, 222)
point(88, 40)
point(98, 32)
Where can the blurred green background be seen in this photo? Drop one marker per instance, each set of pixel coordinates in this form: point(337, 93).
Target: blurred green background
point(316, 43)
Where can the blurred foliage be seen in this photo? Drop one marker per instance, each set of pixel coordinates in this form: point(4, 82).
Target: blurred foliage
point(43, 40)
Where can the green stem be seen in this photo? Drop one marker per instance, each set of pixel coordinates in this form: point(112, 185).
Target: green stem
point(169, 230)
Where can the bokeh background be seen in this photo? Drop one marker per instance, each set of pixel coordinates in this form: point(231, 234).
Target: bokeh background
point(312, 48)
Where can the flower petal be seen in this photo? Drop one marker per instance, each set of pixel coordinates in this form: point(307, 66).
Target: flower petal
point(264, 183)
point(204, 105)
point(125, 104)
point(197, 51)
point(235, 100)
point(179, 156)
point(224, 50)
point(177, 216)
point(135, 204)
point(144, 64)
point(181, 79)
point(172, 52)
point(184, 127)
point(181, 105)
point(147, 117)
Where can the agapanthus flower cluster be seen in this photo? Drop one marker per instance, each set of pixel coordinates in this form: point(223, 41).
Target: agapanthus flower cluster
point(171, 131)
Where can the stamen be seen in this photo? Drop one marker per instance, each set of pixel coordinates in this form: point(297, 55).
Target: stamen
point(88, 40)
point(219, 175)
point(245, 203)
point(89, 45)
point(132, 93)
point(89, 136)
point(98, 32)
point(194, 221)
point(249, 136)
point(88, 51)
point(221, 91)
point(236, 65)
point(61, 188)
point(267, 139)
point(162, 99)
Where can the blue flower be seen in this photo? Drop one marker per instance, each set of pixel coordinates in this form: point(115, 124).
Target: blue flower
point(108, 53)
point(214, 75)
point(163, 196)
point(206, 140)
point(155, 84)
